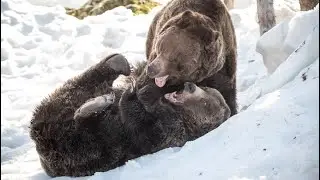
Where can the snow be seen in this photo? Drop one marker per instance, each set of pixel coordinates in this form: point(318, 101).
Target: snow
point(69, 3)
point(283, 9)
point(277, 44)
point(275, 136)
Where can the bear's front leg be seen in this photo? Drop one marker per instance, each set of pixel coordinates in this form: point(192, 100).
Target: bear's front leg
point(107, 69)
point(149, 95)
point(94, 105)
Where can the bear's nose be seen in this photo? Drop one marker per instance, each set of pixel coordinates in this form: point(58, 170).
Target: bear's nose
point(152, 70)
point(189, 87)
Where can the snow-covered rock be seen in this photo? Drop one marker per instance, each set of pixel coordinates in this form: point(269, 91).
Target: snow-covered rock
point(279, 42)
point(283, 9)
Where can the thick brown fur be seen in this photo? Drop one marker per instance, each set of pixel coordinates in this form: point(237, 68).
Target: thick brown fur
point(75, 136)
point(192, 40)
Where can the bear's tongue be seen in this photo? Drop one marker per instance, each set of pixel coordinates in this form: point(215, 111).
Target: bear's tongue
point(161, 81)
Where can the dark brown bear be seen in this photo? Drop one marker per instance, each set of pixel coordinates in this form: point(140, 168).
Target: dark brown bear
point(86, 126)
point(193, 41)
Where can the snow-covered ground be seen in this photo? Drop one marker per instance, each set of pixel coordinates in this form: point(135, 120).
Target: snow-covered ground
point(275, 136)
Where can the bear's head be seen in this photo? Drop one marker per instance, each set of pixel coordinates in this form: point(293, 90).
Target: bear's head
point(186, 49)
point(204, 101)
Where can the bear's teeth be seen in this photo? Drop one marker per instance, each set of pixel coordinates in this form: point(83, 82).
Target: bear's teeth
point(170, 97)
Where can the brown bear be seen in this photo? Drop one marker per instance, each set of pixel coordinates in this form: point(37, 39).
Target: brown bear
point(87, 126)
point(193, 41)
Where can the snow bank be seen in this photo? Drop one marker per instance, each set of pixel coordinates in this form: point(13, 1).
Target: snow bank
point(276, 136)
point(250, 64)
point(278, 43)
point(285, 41)
point(283, 9)
point(303, 56)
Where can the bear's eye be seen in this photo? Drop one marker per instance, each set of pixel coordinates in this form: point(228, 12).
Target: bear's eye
point(171, 60)
point(180, 67)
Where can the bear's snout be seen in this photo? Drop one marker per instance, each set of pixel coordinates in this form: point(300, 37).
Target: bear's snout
point(189, 87)
point(153, 70)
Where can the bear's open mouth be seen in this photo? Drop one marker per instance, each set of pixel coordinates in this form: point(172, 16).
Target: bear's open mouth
point(177, 97)
point(161, 81)
point(172, 97)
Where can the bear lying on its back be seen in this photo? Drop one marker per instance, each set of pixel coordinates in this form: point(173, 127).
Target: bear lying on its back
point(193, 41)
point(86, 126)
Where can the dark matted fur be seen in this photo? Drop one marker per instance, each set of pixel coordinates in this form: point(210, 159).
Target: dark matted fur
point(136, 123)
point(206, 49)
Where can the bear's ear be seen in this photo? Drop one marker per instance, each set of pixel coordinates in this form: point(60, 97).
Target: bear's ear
point(184, 20)
point(215, 35)
point(186, 14)
point(206, 34)
point(212, 38)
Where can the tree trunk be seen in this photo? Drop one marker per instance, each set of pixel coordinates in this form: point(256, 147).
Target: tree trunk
point(306, 5)
point(266, 15)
